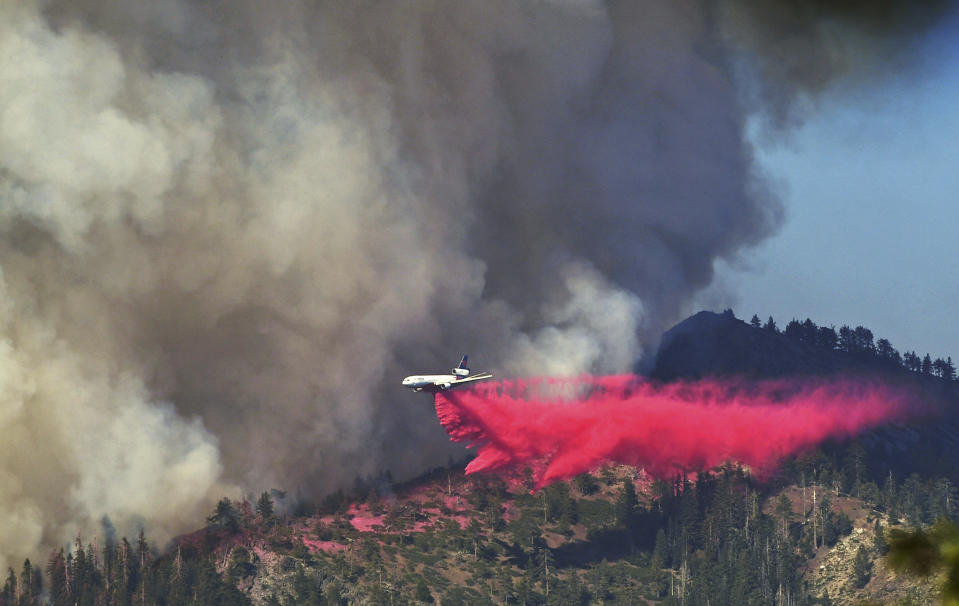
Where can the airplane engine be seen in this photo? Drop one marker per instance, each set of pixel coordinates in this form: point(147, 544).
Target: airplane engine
point(460, 372)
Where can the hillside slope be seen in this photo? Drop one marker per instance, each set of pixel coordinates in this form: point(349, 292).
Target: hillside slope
point(718, 344)
point(618, 537)
point(449, 539)
point(811, 534)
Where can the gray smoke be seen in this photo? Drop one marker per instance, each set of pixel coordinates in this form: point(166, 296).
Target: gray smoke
point(227, 229)
point(794, 49)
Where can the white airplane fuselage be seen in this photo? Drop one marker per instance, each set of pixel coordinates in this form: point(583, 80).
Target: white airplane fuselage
point(460, 376)
point(430, 382)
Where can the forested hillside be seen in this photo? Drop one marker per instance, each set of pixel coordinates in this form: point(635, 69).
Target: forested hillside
point(813, 533)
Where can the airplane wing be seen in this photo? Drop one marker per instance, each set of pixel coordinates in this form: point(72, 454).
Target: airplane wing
point(477, 377)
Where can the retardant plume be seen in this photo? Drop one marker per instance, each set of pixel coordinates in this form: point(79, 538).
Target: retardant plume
point(561, 428)
point(228, 227)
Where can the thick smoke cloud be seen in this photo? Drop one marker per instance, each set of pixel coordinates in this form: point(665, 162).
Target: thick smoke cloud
point(228, 228)
point(796, 48)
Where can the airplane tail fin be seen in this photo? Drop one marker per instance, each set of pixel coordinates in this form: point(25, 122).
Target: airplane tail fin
point(462, 370)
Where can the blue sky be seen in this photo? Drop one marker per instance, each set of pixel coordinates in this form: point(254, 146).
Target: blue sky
point(870, 183)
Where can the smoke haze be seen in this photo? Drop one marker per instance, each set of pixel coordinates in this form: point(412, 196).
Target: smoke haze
point(228, 228)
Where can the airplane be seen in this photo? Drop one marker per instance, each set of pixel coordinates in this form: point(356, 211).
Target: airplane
point(434, 383)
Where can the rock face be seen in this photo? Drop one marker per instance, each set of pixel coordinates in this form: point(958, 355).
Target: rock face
point(831, 573)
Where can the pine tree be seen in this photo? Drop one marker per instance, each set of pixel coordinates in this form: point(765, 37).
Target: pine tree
point(57, 576)
point(770, 325)
point(862, 568)
point(863, 340)
point(784, 509)
point(890, 498)
point(211, 590)
point(847, 339)
point(264, 508)
point(854, 469)
point(794, 330)
point(225, 517)
point(586, 484)
point(626, 504)
point(755, 322)
point(660, 552)
point(879, 541)
point(827, 338)
point(886, 351)
point(9, 593)
point(333, 594)
point(26, 583)
point(422, 591)
point(939, 368)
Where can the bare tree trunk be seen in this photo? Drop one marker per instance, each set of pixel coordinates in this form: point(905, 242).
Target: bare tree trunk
point(804, 496)
point(815, 546)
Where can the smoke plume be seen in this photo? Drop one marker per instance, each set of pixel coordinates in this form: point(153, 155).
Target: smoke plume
point(228, 228)
point(661, 428)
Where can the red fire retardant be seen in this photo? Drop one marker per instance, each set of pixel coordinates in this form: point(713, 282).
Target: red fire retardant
point(563, 427)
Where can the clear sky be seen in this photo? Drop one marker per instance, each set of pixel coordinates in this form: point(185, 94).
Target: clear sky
point(871, 187)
